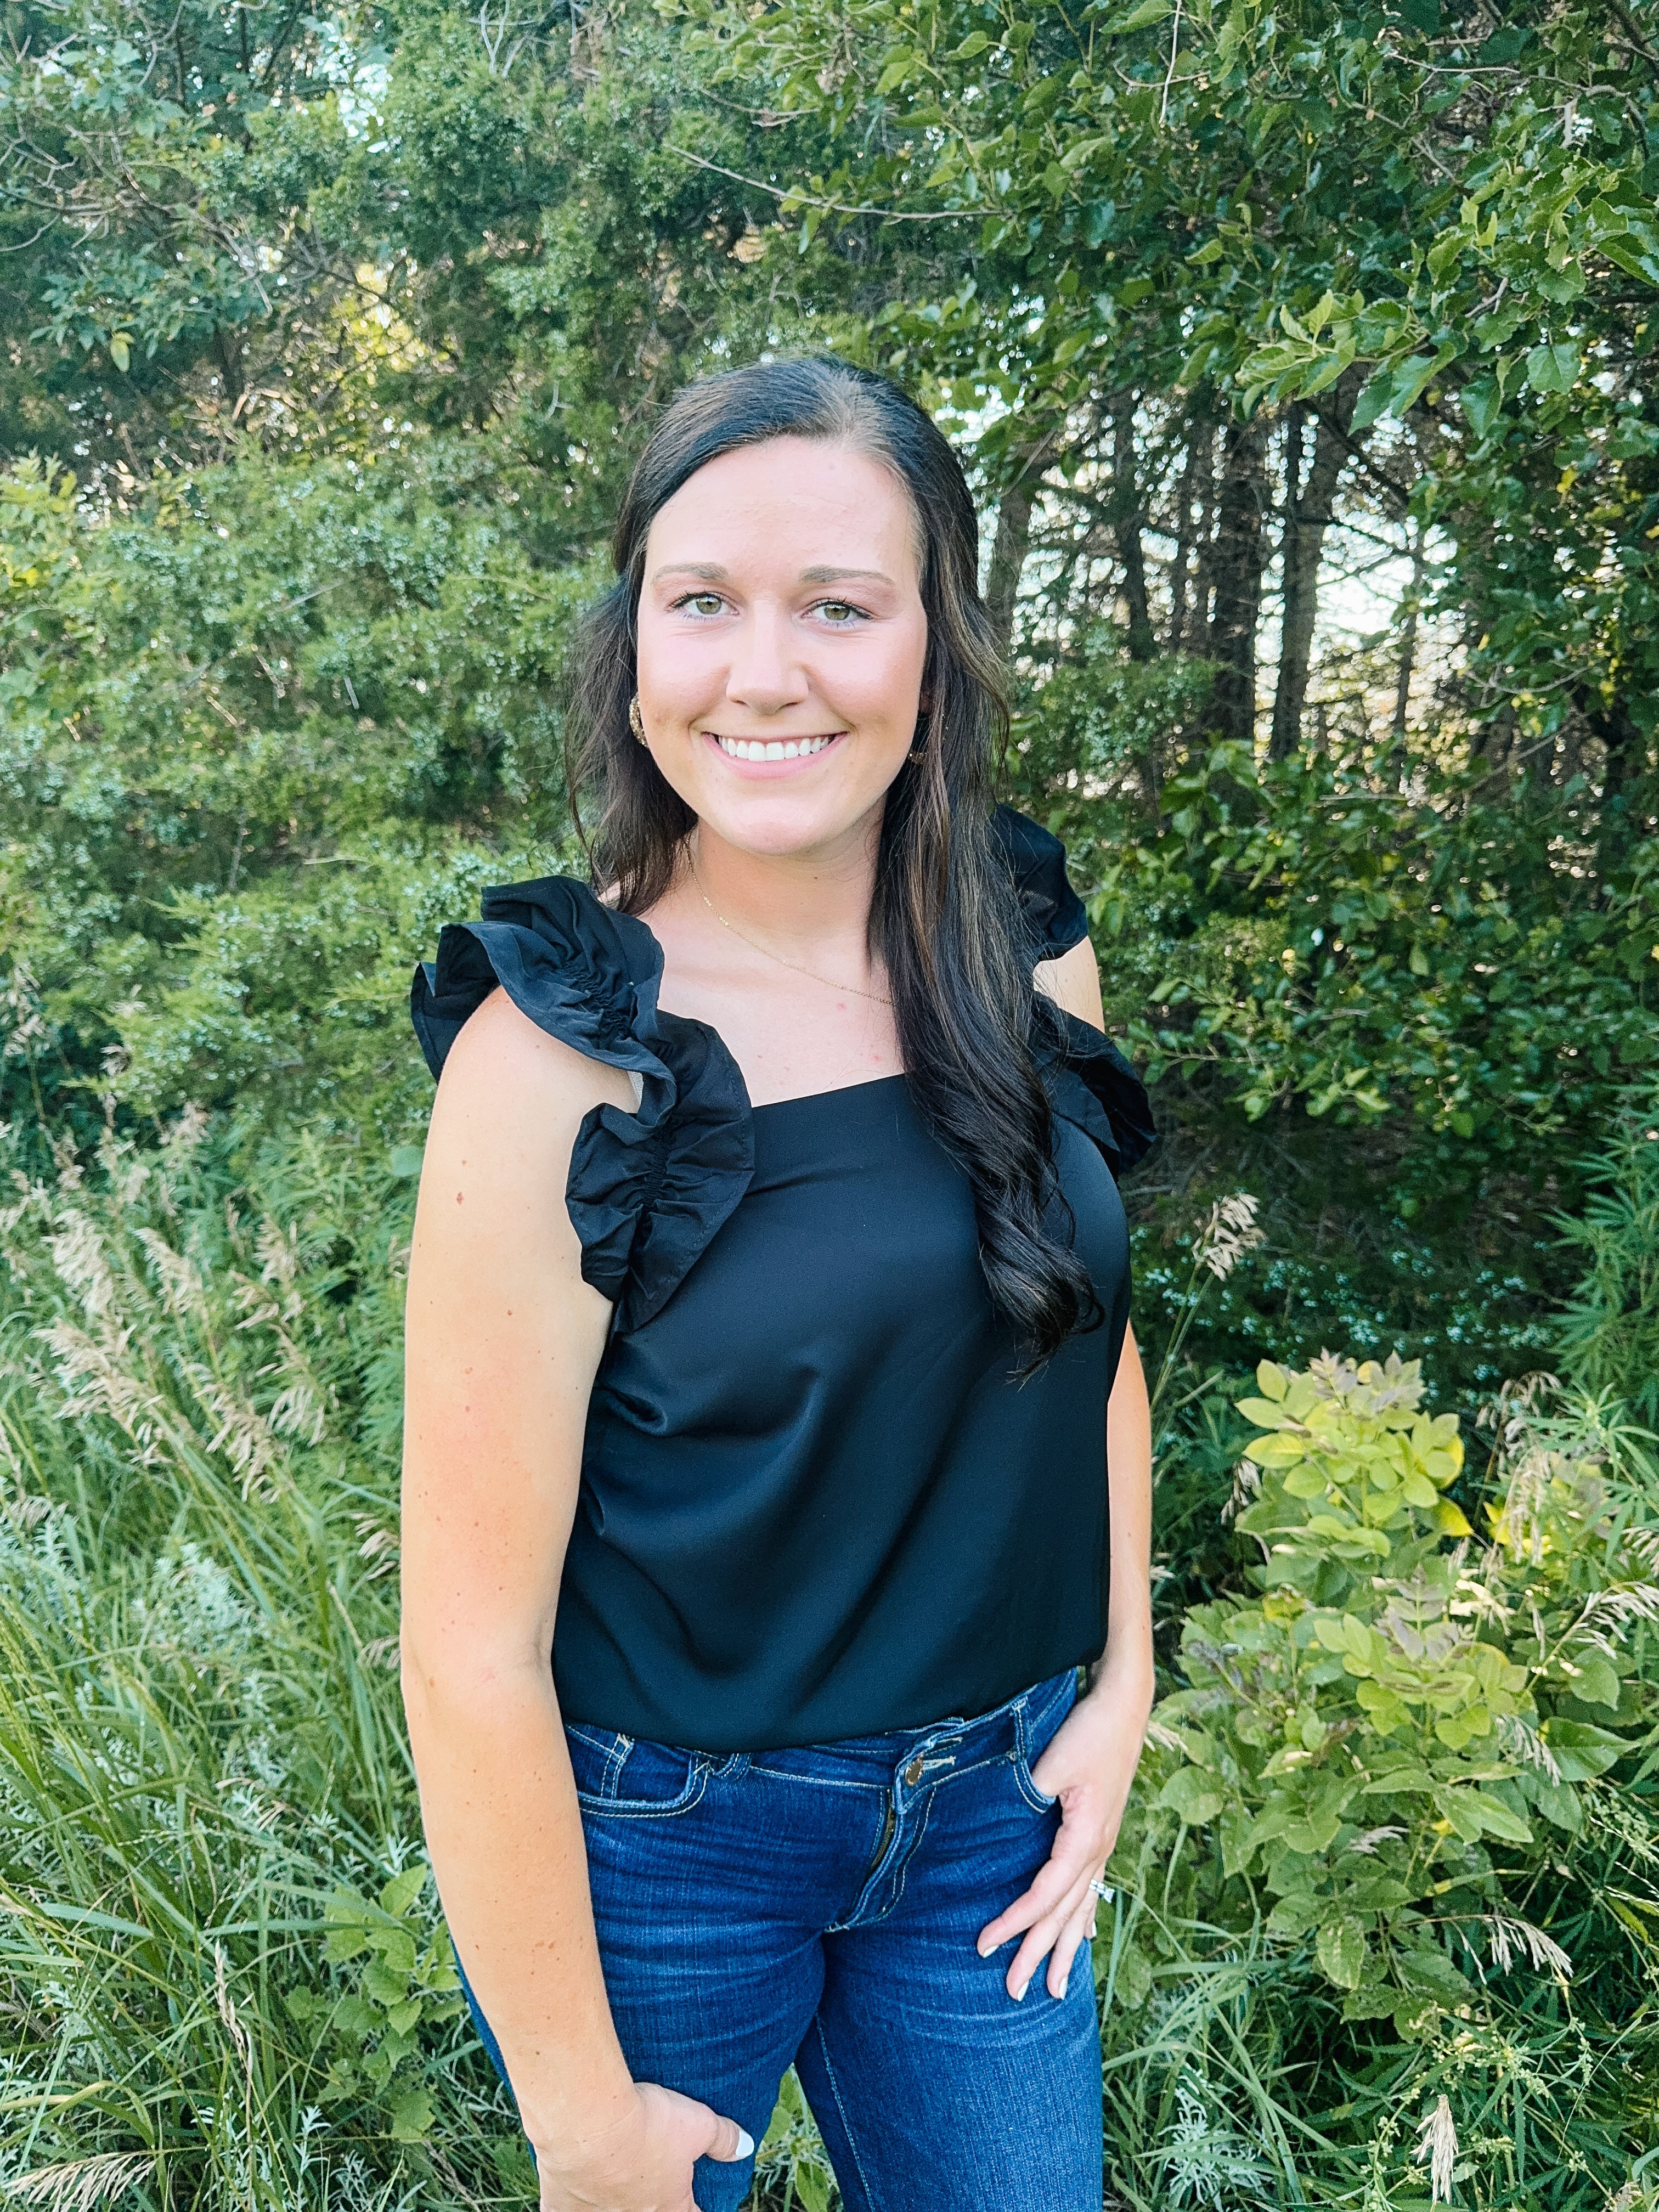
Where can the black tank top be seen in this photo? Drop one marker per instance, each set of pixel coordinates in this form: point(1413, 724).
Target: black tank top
point(813, 1504)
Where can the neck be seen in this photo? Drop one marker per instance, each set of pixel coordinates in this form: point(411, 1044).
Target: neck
point(800, 903)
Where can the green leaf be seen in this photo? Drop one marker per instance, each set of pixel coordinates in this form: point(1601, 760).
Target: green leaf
point(1373, 401)
point(385, 1986)
point(1315, 1833)
point(809, 2185)
point(1552, 367)
point(1272, 1382)
point(412, 2115)
point(401, 2018)
point(1408, 1779)
point(1263, 1411)
point(1580, 1749)
point(900, 63)
point(1445, 255)
point(1192, 1793)
point(1340, 1947)
point(1410, 378)
point(1276, 1451)
point(1559, 1804)
point(1150, 11)
point(404, 1161)
point(1596, 1684)
point(1626, 254)
point(971, 47)
point(120, 348)
point(401, 1892)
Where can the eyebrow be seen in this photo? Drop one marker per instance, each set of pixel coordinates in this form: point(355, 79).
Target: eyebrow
point(710, 571)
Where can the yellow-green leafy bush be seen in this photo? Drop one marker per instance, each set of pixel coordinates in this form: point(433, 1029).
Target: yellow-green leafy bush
point(1384, 1788)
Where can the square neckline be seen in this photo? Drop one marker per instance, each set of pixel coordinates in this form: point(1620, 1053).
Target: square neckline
point(814, 1098)
point(797, 1098)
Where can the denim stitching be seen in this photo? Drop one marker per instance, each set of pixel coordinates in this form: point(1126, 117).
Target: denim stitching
point(904, 1864)
point(614, 1765)
point(1023, 1778)
point(872, 1877)
point(600, 1740)
point(641, 1808)
point(846, 2121)
point(814, 1781)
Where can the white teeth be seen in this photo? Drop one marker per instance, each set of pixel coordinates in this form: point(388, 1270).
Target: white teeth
point(772, 748)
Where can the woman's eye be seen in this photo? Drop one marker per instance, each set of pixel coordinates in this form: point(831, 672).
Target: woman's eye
point(838, 614)
point(703, 603)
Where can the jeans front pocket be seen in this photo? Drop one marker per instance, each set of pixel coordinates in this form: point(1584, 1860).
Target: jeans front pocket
point(1039, 1722)
point(624, 1777)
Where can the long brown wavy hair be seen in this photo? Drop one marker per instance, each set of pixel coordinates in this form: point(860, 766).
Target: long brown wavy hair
point(945, 920)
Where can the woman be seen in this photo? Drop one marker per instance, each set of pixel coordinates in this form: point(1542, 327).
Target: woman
point(767, 1364)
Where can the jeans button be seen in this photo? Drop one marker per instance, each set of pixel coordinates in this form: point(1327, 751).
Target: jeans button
point(913, 1772)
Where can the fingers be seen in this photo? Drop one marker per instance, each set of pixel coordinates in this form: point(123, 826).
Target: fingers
point(1068, 1864)
point(1056, 1881)
point(1071, 1938)
point(729, 2143)
point(1056, 1914)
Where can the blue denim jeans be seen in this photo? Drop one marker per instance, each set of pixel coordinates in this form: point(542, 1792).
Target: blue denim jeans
point(819, 1906)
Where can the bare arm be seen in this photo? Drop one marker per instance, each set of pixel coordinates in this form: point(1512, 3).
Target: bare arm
point(1073, 981)
point(503, 1342)
point(1091, 1764)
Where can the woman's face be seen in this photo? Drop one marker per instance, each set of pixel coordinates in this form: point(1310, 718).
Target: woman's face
point(781, 642)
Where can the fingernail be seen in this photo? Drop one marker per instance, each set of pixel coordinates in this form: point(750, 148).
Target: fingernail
point(1064, 1979)
point(1019, 1994)
point(985, 1949)
point(745, 2143)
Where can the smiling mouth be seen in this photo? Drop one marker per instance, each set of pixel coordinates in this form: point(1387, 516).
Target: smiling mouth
point(772, 748)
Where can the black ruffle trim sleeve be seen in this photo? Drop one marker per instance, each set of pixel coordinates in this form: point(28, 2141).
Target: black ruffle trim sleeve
point(647, 1190)
point(1093, 1085)
point(1054, 913)
point(1089, 1079)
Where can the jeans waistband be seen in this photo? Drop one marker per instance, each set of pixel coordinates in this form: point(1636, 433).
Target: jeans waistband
point(997, 1734)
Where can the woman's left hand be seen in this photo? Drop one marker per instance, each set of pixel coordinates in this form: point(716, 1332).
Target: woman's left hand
point(1089, 1767)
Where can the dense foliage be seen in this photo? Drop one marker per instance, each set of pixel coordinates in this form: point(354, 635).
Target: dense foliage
point(1301, 357)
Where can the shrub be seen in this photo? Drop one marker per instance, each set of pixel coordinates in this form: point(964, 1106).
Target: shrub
point(1385, 1792)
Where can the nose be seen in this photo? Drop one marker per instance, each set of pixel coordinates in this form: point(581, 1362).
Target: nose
point(766, 675)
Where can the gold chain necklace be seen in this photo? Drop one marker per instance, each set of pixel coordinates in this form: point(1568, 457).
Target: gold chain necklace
point(767, 953)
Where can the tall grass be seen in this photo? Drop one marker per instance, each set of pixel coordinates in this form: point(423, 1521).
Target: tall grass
point(203, 1774)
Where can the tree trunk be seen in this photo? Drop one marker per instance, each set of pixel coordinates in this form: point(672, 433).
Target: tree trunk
point(1236, 562)
point(1402, 689)
point(1307, 517)
point(1008, 551)
point(1179, 571)
point(1126, 530)
point(1624, 770)
point(1200, 628)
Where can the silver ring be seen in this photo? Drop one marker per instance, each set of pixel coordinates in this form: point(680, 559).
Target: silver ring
point(1102, 1889)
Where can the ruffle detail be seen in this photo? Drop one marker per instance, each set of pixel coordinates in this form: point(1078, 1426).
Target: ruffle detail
point(1092, 1084)
point(649, 1190)
point(1055, 914)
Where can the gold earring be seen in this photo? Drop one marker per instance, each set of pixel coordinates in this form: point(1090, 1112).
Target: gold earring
point(635, 719)
point(919, 749)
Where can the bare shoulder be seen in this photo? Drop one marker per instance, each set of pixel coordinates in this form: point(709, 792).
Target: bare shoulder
point(1073, 981)
point(510, 1101)
point(505, 1070)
